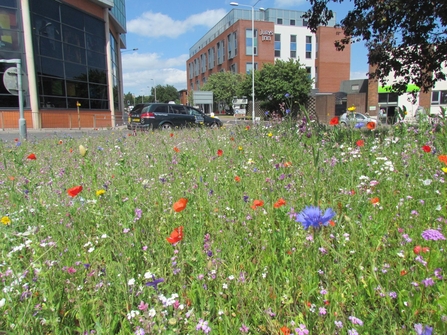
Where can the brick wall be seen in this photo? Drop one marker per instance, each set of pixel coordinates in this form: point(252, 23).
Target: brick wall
point(333, 66)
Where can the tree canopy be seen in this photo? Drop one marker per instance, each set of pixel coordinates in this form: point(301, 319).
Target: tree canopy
point(274, 81)
point(406, 37)
point(225, 85)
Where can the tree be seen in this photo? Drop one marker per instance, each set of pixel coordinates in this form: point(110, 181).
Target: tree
point(283, 82)
point(224, 85)
point(165, 94)
point(406, 37)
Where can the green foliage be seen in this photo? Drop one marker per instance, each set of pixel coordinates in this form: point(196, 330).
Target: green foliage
point(224, 85)
point(274, 81)
point(405, 37)
point(83, 264)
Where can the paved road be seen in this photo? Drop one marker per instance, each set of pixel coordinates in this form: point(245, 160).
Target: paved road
point(33, 134)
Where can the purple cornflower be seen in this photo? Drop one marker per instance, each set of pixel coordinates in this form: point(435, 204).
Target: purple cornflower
point(138, 213)
point(393, 295)
point(432, 235)
point(245, 198)
point(244, 329)
point(322, 311)
point(154, 283)
point(203, 325)
point(438, 273)
point(426, 331)
point(428, 282)
point(352, 332)
point(355, 320)
point(313, 217)
point(301, 330)
point(338, 324)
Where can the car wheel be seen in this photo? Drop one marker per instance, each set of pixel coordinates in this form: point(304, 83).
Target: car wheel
point(343, 124)
point(166, 126)
point(214, 125)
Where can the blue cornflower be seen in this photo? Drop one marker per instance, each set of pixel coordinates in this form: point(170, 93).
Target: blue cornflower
point(313, 217)
point(426, 331)
point(155, 282)
point(287, 95)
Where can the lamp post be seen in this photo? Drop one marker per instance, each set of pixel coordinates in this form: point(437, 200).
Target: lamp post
point(252, 54)
point(130, 50)
point(155, 91)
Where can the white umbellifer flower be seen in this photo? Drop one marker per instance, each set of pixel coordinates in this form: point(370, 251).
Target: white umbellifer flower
point(104, 236)
point(148, 275)
point(91, 250)
point(427, 182)
point(2, 302)
point(131, 282)
point(151, 312)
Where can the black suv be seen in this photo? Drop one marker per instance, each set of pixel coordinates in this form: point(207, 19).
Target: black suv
point(167, 116)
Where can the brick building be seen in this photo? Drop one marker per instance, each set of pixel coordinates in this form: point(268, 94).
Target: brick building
point(279, 34)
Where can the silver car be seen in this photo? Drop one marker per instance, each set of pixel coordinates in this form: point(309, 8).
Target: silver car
point(354, 119)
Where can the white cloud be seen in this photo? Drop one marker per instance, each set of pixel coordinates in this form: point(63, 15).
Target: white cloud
point(152, 24)
point(288, 3)
point(358, 75)
point(140, 69)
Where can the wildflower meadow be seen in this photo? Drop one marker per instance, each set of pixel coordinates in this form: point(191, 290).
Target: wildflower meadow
point(286, 228)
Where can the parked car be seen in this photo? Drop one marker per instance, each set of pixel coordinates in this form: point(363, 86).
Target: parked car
point(355, 119)
point(167, 116)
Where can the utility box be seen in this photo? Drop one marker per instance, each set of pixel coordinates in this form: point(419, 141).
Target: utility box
point(240, 106)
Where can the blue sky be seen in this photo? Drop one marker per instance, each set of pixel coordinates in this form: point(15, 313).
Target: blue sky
point(164, 30)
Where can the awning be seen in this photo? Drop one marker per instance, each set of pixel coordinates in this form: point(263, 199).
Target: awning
point(388, 89)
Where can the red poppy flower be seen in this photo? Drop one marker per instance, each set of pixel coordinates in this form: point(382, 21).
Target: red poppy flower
point(231, 138)
point(403, 272)
point(171, 134)
point(74, 191)
point(219, 152)
point(257, 203)
point(176, 235)
point(247, 128)
point(16, 140)
point(237, 179)
point(371, 125)
point(32, 157)
point(287, 164)
point(180, 205)
point(279, 203)
point(426, 148)
point(176, 149)
point(360, 143)
point(417, 249)
point(331, 223)
point(443, 158)
point(374, 201)
point(285, 330)
point(334, 121)
point(60, 142)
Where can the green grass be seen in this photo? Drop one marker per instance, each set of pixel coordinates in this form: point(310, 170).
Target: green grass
point(82, 265)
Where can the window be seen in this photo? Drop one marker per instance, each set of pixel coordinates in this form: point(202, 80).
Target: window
point(309, 72)
point(277, 45)
point(249, 42)
point(203, 63)
point(355, 87)
point(387, 98)
point(439, 97)
point(308, 47)
point(278, 21)
point(292, 46)
point(232, 45)
point(70, 57)
point(233, 68)
point(220, 52)
point(249, 67)
point(211, 58)
point(292, 22)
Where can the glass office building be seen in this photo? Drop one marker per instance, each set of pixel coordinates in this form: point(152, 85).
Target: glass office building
point(70, 54)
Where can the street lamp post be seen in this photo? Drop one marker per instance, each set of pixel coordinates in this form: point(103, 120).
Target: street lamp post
point(252, 54)
point(155, 91)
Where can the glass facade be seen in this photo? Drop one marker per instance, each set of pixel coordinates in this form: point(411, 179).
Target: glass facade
point(115, 70)
point(70, 57)
point(11, 47)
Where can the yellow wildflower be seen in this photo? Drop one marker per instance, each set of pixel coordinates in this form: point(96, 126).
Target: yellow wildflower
point(240, 148)
point(351, 109)
point(100, 192)
point(82, 150)
point(444, 169)
point(6, 220)
point(269, 134)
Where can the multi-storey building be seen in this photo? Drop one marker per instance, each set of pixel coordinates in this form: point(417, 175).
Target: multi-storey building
point(278, 34)
point(70, 56)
